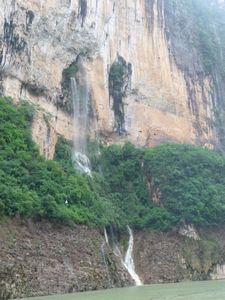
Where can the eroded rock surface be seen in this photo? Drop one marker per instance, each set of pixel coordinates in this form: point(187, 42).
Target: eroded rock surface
point(167, 96)
point(43, 259)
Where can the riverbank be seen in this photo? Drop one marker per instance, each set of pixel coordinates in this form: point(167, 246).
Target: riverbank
point(210, 290)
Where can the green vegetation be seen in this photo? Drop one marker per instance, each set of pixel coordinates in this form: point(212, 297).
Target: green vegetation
point(187, 183)
point(191, 180)
point(71, 71)
point(66, 102)
point(34, 187)
point(124, 174)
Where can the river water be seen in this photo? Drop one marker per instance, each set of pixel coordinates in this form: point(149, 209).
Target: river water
point(179, 291)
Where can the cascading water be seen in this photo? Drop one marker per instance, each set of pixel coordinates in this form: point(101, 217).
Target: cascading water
point(106, 236)
point(128, 261)
point(80, 99)
point(100, 169)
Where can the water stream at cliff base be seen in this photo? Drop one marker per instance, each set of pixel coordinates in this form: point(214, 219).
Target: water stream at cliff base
point(129, 262)
point(126, 261)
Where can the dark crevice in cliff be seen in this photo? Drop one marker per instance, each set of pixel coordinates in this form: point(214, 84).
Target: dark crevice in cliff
point(119, 83)
point(82, 11)
point(33, 89)
point(11, 44)
point(149, 13)
point(65, 102)
point(29, 19)
point(13, 41)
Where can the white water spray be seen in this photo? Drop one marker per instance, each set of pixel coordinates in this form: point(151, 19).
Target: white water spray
point(106, 236)
point(129, 262)
point(80, 99)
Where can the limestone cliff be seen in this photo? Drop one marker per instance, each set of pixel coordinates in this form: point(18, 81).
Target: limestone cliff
point(146, 81)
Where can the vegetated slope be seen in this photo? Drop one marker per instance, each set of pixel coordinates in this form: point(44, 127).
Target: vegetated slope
point(157, 188)
point(34, 187)
point(167, 185)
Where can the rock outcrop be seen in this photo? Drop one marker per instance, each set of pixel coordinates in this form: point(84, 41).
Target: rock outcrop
point(39, 258)
point(43, 259)
point(165, 94)
point(171, 257)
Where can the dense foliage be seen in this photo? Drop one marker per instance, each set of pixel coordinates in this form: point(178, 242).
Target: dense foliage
point(158, 188)
point(33, 186)
point(124, 173)
point(191, 181)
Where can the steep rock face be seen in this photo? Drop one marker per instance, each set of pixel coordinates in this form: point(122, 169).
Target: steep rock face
point(197, 49)
point(157, 107)
point(159, 258)
point(38, 40)
point(167, 97)
point(42, 259)
point(170, 257)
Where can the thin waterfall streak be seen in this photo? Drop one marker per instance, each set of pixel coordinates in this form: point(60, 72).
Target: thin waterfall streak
point(129, 262)
point(126, 261)
point(97, 138)
point(106, 236)
point(80, 105)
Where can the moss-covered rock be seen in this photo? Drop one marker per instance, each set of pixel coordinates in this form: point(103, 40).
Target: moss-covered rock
point(119, 83)
point(65, 102)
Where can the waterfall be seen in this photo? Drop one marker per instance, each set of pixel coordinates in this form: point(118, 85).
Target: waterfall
point(106, 236)
point(80, 99)
point(97, 138)
point(128, 261)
